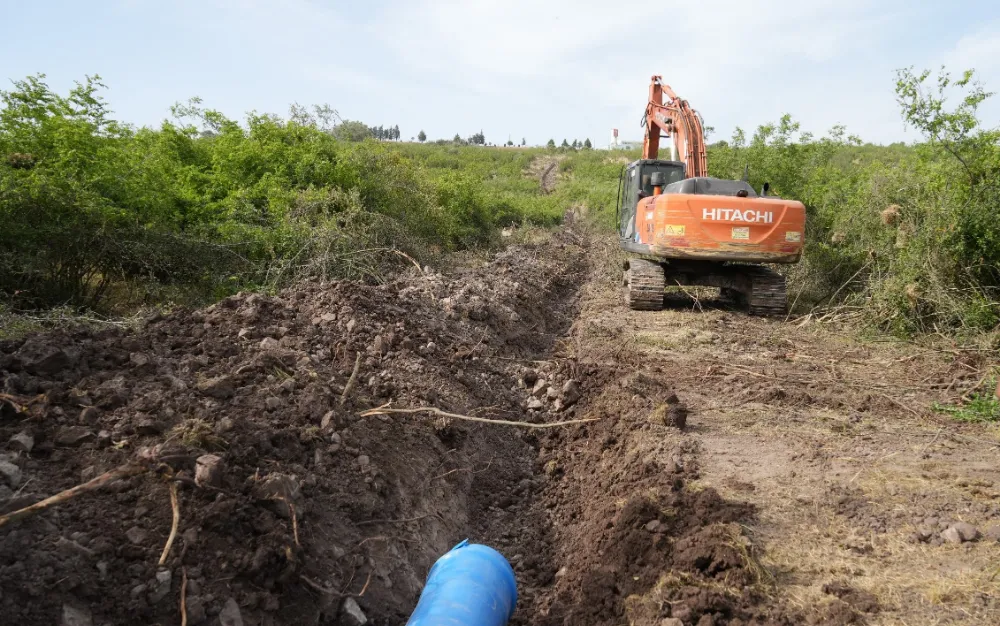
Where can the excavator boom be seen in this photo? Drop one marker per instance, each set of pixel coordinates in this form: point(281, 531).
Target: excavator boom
point(680, 122)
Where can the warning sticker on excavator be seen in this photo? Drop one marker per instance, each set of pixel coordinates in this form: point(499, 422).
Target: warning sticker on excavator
point(793, 236)
point(674, 230)
point(741, 232)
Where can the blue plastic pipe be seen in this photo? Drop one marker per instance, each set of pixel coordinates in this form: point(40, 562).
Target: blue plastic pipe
point(471, 585)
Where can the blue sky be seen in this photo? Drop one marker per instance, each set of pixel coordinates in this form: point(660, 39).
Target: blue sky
point(534, 69)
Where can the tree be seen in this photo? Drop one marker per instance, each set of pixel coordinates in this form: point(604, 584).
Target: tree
point(422, 136)
point(350, 130)
point(458, 138)
point(587, 145)
point(576, 144)
point(565, 144)
point(478, 139)
point(395, 132)
point(551, 144)
point(524, 141)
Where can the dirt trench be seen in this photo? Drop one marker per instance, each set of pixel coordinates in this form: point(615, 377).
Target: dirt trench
point(675, 503)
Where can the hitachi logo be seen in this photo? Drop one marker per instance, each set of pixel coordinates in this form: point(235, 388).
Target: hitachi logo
point(736, 215)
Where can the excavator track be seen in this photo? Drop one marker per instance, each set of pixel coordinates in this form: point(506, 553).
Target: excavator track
point(767, 295)
point(644, 284)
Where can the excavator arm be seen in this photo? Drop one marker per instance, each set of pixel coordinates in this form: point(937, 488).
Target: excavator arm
point(680, 122)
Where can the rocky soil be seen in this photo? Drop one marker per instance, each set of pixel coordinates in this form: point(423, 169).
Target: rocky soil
point(718, 469)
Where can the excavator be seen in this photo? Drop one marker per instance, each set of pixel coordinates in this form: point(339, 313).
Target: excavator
point(690, 229)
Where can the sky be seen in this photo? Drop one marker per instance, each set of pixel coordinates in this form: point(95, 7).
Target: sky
point(531, 69)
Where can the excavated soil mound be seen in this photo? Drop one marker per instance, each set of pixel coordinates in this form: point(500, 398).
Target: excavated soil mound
point(257, 382)
point(297, 507)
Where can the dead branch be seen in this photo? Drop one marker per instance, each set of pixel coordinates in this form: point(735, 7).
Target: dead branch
point(394, 521)
point(295, 522)
point(184, 584)
point(176, 508)
point(439, 412)
point(330, 592)
point(124, 471)
point(351, 380)
point(409, 258)
point(687, 293)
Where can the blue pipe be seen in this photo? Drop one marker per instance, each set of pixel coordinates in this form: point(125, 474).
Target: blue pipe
point(471, 585)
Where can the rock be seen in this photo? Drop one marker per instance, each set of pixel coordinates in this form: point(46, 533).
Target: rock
point(73, 436)
point(138, 590)
point(161, 588)
point(570, 392)
point(22, 442)
point(535, 404)
point(136, 535)
point(540, 387)
point(74, 616)
point(272, 403)
point(706, 620)
point(230, 614)
point(287, 385)
point(380, 346)
point(951, 535)
point(364, 461)
point(104, 439)
point(10, 473)
point(653, 525)
point(351, 324)
point(966, 531)
point(89, 416)
point(89, 473)
point(671, 621)
point(268, 343)
point(223, 426)
point(220, 387)
point(551, 393)
point(209, 470)
point(352, 614)
point(992, 533)
point(328, 418)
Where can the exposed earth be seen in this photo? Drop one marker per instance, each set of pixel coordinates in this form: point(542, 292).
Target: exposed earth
point(731, 471)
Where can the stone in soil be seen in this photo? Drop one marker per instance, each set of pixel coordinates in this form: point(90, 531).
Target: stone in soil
point(966, 531)
point(73, 436)
point(74, 616)
point(21, 442)
point(10, 473)
point(230, 614)
point(209, 470)
point(352, 613)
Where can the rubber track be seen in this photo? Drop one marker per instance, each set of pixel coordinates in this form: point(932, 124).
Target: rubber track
point(644, 284)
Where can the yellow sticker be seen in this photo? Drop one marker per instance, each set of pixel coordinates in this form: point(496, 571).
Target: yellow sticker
point(674, 230)
point(793, 236)
point(741, 232)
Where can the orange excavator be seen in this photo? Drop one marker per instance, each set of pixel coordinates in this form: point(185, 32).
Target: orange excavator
point(691, 229)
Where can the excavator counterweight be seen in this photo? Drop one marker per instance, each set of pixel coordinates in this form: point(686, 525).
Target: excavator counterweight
point(692, 229)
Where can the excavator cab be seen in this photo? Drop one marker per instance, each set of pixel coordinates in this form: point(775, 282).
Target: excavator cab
point(635, 183)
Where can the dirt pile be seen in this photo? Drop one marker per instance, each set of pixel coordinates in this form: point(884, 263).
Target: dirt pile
point(265, 385)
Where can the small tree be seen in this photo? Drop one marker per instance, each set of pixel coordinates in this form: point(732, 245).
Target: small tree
point(576, 144)
point(395, 132)
point(565, 144)
point(458, 138)
point(524, 141)
point(587, 145)
point(551, 144)
point(421, 136)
